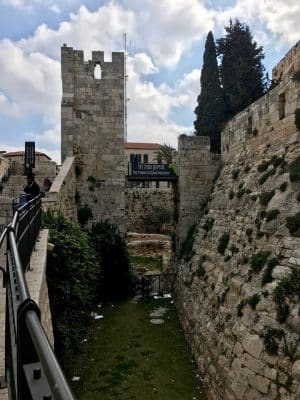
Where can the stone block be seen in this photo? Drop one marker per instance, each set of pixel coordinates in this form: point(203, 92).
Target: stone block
point(253, 345)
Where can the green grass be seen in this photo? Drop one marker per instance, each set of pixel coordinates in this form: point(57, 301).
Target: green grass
point(127, 358)
point(151, 263)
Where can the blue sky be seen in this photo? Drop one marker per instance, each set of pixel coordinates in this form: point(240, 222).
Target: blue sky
point(165, 50)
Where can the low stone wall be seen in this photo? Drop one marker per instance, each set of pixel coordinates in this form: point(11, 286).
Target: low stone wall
point(139, 202)
point(37, 283)
point(151, 245)
point(62, 195)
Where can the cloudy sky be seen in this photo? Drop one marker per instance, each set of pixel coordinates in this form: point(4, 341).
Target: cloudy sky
point(165, 50)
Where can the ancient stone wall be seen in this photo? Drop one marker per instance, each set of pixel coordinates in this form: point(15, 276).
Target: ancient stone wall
point(197, 171)
point(62, 194)
point(140, 202)
point(238, 293)
point(92, 118)
point(289, 64)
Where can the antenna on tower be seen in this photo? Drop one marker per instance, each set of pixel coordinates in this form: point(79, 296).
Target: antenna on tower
point(125, 86)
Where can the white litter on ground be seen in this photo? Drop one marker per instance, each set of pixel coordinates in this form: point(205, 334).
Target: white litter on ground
point(96, 316)
point(76, 378)
point(157, 321)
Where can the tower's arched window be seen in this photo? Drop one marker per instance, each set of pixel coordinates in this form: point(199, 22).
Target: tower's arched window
point(97, 71)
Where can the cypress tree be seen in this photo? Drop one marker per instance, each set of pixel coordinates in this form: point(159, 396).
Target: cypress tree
point(242, 74)
point(210, 109)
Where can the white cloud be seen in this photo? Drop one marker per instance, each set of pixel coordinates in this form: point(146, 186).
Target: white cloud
point(29, 5)
point(50, 136)
point(8, 108)
point(31, 81)
point(102, 29)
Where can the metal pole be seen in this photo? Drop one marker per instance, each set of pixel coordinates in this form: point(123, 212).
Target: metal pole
point(55, 377)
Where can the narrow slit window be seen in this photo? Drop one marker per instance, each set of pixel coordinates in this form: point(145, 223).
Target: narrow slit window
point(249, 125)
point(97, 71)
point(281, 106)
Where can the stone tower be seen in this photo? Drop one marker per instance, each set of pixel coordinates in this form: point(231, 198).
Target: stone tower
point(92, 130)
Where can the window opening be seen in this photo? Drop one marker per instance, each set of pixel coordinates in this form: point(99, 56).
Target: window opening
point(97, 71)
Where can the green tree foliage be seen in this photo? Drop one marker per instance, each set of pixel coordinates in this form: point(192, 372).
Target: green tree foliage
point(243, 76)
point(73, 277)
point(112, 253)
point(166, 153)
point(210, 109)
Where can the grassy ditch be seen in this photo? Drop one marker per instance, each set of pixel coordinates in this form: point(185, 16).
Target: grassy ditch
point(126, 357)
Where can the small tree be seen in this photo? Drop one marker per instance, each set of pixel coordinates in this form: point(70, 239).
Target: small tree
point(210, 109)
point(242, 74)
point(166, 153)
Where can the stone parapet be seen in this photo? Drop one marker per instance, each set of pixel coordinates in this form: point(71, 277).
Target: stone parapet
point(62, 194)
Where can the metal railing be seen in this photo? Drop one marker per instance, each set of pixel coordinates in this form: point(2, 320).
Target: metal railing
point(32, 371)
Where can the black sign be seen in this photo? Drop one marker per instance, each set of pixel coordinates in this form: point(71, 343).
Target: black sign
point(151, 170)
point(29, 155)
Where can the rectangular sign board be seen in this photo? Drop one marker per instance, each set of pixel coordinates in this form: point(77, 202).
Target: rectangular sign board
point(29, 159)
point(151, 170)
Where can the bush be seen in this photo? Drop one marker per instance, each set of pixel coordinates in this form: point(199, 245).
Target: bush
point(265, 197)
point(295, 170)
point(270, 337)
point(84, 215)
point(272, 214)
point(258, 260)
point(231, 194)
point(267, 275)
point(186, 251)
point(265, 176)
point(223, 243)
point(247, 169)
point(200, 272)
point(249, 232)
point(235, 173)
point(293, 225)
point(253, 300)
point(73, 277)
point(209, 223)
point(277, 161)
point(112, 251)
point(263, 166)
point(283, 186)
point(288, 287)
point(296, 76)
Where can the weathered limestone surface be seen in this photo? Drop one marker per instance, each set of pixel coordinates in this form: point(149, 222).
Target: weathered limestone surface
point(140, 201)
point(228, 337)
point(197, 171)
point(62, 194)
point(92, 123)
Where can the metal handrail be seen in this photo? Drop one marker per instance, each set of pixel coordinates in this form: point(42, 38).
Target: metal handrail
point(32, 370)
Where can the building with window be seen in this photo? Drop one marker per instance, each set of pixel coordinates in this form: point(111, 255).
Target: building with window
point(141, 152)
point(144, 153)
